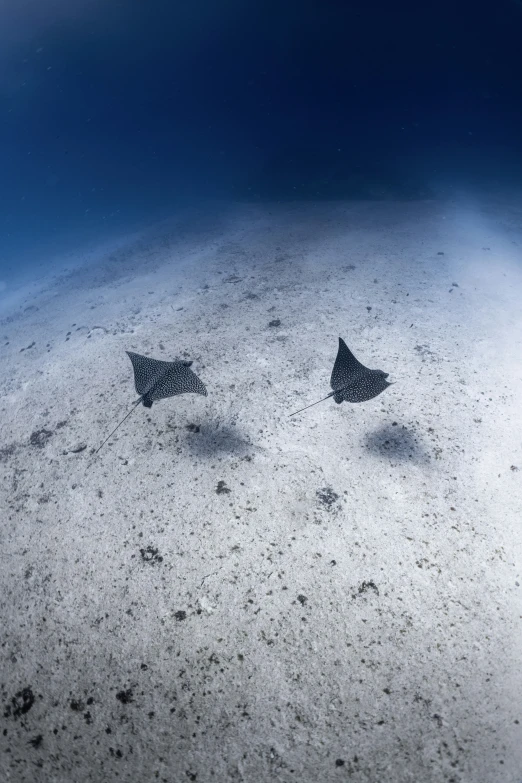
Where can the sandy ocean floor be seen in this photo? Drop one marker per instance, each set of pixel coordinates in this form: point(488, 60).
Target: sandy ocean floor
point(226, 593)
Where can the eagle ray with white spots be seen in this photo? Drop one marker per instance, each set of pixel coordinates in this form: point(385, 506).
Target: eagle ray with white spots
point(155, 380)
point(351, 381)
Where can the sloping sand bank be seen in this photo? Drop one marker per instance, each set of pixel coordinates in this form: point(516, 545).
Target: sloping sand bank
point(229, 594)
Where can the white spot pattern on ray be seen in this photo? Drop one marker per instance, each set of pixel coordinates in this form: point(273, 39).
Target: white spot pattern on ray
point(352, 381)
point(156, 379)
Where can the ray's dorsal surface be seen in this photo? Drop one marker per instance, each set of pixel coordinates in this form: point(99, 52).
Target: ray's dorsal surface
point(351, 381)
point(155, 379)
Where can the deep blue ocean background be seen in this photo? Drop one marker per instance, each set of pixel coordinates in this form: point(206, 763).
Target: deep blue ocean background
point(116, 113)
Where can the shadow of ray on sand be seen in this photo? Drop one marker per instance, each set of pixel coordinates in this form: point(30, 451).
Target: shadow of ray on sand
point(210, 439)
point(397, 442)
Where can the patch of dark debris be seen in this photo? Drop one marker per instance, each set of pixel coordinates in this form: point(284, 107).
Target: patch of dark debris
point(7, 451)
point(151, 555)
point(36, 741)
point(126, 696)
point(180, 615)
point(40, 437)
point(349, 766)
point(327, 497)
point(222, 488)
point(20, 704)
point(426, 353)
point(275, 322)
point(193, 427)
point(364, 587)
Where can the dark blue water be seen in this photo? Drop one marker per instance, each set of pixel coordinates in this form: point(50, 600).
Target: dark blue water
point(116, 113)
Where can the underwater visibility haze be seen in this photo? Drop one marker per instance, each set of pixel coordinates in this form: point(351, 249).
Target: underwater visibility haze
point(242, 198)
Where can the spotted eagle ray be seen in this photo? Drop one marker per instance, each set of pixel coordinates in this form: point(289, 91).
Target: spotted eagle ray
point(155, 380)
point(351, 381)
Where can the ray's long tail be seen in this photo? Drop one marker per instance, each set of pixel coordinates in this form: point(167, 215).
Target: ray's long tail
point(312, 404)
point(119, 425)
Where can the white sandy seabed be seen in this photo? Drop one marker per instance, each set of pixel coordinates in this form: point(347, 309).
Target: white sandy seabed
point(229, 594)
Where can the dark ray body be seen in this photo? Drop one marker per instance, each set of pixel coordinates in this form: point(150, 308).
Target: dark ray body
point(155, 380)
point(351, 381)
